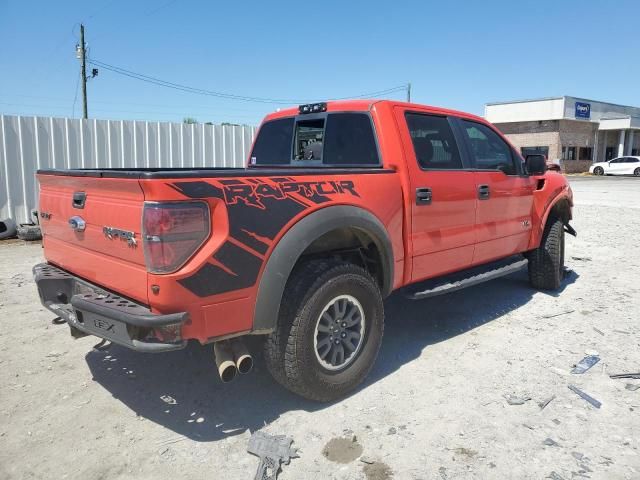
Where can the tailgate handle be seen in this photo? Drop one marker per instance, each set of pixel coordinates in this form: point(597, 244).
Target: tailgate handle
point(78, 199)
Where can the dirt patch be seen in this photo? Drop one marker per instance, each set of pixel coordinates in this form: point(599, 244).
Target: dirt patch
point(342, 450)
point(465, 452)
point(378, 471)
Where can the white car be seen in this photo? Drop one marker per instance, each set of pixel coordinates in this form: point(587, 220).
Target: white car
point(617, 166)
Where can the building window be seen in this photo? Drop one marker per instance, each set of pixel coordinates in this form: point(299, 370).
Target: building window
point(635, 152)
point(568, 153)
point(535, 151)
point(584, 153)
point(610, 152)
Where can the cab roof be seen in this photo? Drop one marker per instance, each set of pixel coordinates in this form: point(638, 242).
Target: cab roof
point(367, 105)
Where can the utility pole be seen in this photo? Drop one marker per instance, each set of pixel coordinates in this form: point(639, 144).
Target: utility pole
point(409, 92)
point(83, 72)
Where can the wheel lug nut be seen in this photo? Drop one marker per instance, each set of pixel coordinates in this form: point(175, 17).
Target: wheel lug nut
point(344, 324)
point(343, 335)
point(337, 342)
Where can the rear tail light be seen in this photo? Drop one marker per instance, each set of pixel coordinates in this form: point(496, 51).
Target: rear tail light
point(172, 233)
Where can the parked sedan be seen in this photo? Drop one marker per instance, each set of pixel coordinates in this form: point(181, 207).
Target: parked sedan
point(617, 166)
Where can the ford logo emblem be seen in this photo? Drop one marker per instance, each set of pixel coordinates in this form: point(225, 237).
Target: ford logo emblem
point(77, 224)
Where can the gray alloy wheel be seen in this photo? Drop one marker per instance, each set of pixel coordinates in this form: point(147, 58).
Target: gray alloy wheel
point(598, 171)
point(636, 172)
point(339, 332)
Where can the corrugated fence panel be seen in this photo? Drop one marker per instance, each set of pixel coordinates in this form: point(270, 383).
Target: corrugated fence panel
point(28, 143)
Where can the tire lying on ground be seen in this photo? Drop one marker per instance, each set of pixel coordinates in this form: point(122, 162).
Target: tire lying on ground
point(7, 228)
point(29, 232)
point(329, 330)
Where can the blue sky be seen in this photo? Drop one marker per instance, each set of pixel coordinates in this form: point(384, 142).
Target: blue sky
point(457, 54)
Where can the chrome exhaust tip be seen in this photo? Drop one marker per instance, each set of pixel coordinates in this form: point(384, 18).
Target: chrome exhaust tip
point(224, 361)
point(242, 357)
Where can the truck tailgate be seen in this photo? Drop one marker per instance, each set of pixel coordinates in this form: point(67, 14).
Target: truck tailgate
point(103, 256)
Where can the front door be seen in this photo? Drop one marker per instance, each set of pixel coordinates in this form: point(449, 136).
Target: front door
point(442, 192)
point(504, 194)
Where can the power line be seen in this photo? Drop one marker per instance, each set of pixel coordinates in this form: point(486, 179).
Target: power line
point(75, 98)
point(228, 96)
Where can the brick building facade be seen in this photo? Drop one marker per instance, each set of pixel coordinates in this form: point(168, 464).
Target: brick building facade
point(570, 131)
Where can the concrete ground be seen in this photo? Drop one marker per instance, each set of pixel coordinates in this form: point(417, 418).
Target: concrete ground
point(434, 407)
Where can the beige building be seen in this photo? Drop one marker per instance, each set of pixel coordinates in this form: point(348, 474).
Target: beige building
point(574, 132)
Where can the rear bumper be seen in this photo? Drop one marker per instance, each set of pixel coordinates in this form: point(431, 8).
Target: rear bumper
point(92, 310)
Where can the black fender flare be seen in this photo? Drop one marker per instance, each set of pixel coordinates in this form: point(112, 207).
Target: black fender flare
point(291, 246)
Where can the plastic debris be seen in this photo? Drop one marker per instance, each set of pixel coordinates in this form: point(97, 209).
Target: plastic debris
point(515, 400)
point(550, 442)
point(273, 450)
point(585, 396)
point(631, 387)
point(557, 314)
point(626, 375)
point(585, 364)
point(544, 403)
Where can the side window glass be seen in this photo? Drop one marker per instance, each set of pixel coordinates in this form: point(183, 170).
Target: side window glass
point(433, 142)
point(488, 149)
point(349, 140)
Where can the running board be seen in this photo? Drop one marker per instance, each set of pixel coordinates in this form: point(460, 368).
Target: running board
point(466, 278)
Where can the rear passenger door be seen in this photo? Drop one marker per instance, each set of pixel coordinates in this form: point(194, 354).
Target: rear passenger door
point(442, 192)
point(504, 193)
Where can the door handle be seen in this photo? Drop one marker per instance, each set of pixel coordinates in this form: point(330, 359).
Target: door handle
point(484, 192)
point(423, 196)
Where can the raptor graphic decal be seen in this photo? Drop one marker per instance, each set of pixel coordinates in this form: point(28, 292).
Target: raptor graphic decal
point(258, 209)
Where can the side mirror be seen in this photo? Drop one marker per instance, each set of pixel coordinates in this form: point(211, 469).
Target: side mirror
point(536, 164)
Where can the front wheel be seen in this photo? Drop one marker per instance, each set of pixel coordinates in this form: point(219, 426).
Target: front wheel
point(546, 263)
point(636, 172)
point(329, 331)
point(598, 171)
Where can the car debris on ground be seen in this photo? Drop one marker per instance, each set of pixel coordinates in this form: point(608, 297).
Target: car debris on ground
point(585, 364)
point(625, 375)
point(585, 396)
point(273, 451)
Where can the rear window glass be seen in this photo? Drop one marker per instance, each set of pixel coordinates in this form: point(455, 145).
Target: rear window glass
point(273, 144)
point(350, 140)
point(334, 139)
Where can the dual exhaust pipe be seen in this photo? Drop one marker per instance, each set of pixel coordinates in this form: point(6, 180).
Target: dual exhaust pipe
point(232, 357)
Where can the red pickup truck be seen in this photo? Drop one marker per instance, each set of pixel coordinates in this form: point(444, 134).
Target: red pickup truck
point(340, 204)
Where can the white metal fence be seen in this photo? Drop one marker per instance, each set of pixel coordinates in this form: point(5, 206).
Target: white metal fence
point(30, 143)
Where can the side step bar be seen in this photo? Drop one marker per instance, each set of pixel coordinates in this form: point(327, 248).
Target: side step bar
point(466, 278)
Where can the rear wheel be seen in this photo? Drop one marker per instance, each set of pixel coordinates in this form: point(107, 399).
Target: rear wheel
point(598, 171)
point(546, 263)
point(329, 330)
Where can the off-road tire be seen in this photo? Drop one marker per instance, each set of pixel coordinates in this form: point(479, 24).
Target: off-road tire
point(29, 232)
point(598, 171)
point(289, 351)
point(546, 263)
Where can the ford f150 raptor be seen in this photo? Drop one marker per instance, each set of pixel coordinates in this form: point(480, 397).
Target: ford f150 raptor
point(340, 204)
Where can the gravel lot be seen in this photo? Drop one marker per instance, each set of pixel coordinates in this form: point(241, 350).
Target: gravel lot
point(435, 406)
